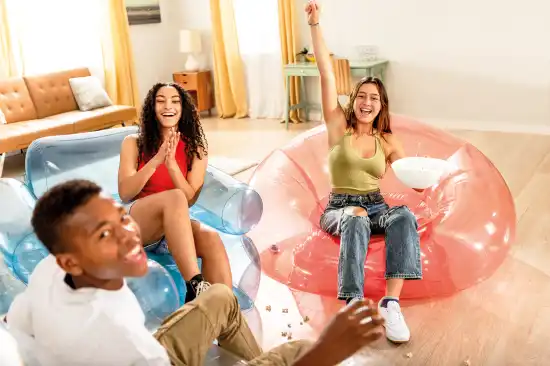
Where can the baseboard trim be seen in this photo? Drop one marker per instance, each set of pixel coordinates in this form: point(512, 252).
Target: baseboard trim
point(484, 126)
point(537, 129)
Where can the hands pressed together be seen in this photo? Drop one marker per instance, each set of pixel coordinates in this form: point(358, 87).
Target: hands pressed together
point(167, 152)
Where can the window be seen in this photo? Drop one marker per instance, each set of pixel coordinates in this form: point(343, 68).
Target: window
point(257, 26)
point(56, 35)
point(260, 47)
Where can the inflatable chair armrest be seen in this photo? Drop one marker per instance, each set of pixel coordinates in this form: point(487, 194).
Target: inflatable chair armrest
point(20, 250)
point(17, 204)
point(227, 204)
point(440, 198)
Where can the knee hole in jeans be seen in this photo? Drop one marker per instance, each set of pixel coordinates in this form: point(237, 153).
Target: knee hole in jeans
point(355, 211)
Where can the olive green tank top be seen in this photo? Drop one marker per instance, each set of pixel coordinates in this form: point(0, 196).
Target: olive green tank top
point(351, 173)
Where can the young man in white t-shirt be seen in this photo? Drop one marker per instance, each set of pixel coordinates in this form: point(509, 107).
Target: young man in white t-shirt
point(79, 310)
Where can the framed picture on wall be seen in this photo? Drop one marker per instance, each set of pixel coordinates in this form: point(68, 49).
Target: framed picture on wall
point(143, 11)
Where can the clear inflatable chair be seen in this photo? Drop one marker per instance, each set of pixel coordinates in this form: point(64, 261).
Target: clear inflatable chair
point(227, 205)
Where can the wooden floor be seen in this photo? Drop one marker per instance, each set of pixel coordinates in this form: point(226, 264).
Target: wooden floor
point(502, 321)
point(506, 319)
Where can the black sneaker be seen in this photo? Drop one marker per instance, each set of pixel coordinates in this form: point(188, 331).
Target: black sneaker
point(195, 288)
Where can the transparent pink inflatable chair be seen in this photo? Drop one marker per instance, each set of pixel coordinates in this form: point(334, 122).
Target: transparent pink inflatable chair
point(466, 221)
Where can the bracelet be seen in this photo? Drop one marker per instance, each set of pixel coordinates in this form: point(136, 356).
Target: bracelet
point(312, 25)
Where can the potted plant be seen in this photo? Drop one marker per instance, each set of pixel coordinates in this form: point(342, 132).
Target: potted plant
point(305, 56)
point(302, 55)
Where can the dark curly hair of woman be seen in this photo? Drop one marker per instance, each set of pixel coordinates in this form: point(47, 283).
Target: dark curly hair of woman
point(189, 126)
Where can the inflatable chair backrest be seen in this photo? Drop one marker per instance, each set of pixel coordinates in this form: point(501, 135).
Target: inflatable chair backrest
point(90, 155)
point(224, 203)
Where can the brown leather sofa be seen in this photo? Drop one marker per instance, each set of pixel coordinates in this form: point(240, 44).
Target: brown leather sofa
point(44, 105)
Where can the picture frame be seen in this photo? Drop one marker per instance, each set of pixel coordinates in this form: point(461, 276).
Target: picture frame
point(143, 11)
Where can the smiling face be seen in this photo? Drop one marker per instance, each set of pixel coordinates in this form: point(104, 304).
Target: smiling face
point(168, 106)
point(102, 242)
point(366, 105)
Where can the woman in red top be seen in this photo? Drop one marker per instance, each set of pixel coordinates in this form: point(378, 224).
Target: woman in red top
point(161, 173)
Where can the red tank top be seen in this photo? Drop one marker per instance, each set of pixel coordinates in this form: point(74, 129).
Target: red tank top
point(160, 181)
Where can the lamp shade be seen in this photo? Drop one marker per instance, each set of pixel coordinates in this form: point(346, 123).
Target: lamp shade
point(190, 41)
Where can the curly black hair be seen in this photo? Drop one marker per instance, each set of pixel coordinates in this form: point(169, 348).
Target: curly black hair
point(189, 126)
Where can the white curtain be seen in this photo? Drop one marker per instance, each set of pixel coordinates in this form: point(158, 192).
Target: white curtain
point(55, 35)
point(260, 47)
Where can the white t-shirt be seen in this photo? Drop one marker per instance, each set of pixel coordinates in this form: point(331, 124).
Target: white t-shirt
point(9, 351)
point(85, 326)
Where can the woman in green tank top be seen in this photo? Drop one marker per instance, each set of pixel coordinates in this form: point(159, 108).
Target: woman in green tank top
point(361, 148)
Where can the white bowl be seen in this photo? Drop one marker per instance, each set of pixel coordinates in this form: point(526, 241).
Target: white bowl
point(420, 172)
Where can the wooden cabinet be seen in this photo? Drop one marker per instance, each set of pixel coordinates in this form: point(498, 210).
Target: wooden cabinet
point(199, 85)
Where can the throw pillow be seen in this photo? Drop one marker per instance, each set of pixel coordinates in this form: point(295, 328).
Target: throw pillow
point(89, 93)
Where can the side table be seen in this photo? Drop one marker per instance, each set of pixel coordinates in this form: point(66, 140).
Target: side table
point(199, 85)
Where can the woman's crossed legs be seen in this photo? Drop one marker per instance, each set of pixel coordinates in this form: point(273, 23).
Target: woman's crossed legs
point(166, 214)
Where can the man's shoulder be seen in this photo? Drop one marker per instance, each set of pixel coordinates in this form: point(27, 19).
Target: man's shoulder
point(49, 263)
point(44, 270)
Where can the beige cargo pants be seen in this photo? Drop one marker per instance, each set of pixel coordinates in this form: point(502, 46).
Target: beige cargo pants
point(189, 332)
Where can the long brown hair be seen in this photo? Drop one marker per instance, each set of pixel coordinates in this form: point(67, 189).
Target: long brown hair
point(382, 121)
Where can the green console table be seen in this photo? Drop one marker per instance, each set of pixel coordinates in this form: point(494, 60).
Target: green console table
point(303, 69)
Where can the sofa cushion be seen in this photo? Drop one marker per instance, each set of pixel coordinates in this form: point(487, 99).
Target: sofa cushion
point(89, 93)
point(51, 93)
point(19, 135)
point(15, 101)
point(98, 118)
point(2, 155)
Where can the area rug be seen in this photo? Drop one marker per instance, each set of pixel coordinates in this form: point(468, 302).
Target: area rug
point(231, 166)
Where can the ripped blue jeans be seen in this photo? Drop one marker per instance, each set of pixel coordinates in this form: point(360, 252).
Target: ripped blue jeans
point(399, 226)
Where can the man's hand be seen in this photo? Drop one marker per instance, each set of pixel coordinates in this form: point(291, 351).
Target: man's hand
point(355, 326)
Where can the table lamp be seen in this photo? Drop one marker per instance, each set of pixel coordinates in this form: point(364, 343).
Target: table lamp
point(190, 42)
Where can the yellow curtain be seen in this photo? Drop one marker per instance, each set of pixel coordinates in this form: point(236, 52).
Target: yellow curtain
point(118, 58)
point(7, 61)
point(229, 82)
point(288, 49)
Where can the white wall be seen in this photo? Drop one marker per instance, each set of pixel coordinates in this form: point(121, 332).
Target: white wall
point(451, 62)
point(155, 46)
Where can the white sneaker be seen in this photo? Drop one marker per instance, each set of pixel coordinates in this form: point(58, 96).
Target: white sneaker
point(397, 330)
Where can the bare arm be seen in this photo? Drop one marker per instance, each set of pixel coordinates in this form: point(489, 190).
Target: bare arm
point(396, 151)
point(195, 178)
point(333, 113)
point(130, 180)
point(191, 185)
